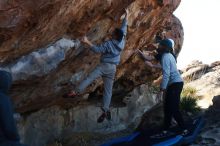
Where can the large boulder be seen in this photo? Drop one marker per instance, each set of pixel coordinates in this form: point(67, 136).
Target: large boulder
point(56, 123)
point(40, 46)
point(33, 34)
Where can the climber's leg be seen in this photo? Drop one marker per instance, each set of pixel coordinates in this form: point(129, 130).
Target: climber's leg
point(108, 79)
point(97, 72)
point(107, 94)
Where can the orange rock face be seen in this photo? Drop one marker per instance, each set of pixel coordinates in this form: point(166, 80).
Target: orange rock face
point(27, 26)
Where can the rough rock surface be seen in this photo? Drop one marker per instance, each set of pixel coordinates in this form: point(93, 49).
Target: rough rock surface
point(28, 26)
point(33, 37)
point(54, 123)
point(205, 78)
point(194, 70)
point(210, 135)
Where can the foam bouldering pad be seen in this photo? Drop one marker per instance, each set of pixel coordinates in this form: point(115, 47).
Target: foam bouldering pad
point(149, 138)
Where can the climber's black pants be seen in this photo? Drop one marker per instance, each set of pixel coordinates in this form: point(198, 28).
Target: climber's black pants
point(171, 105)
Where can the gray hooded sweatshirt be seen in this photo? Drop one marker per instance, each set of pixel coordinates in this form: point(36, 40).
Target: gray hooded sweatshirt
point(170, 71)
point(111, 49)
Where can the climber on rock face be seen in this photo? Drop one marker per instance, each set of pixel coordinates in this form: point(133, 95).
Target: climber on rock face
point(172, 83)
point(110, 57)
point(8, 130)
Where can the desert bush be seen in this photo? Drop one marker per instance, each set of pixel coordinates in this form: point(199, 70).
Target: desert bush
point(189, 99)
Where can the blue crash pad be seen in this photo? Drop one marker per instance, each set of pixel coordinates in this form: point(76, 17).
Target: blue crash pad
point(139, 138)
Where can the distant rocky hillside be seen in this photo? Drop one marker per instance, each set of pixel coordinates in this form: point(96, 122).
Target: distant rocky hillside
point(205, 78)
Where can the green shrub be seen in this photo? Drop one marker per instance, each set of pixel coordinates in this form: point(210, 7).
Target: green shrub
point(189, 92)
point(189, 104)
point(189, 99)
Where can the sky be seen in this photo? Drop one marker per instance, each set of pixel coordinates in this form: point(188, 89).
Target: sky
point(201, 24)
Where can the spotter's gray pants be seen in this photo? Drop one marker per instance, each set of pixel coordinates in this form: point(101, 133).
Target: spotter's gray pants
point(107, 72)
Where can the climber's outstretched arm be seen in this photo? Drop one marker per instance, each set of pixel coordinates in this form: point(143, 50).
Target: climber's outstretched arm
point(125, 22)
point(101, 48)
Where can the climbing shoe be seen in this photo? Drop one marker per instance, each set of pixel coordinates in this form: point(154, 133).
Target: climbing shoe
point(71, 94)
point(102, 117)
point(185, 132)
point(108, 115)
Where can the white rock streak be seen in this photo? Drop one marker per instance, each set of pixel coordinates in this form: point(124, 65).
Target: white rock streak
point(41, 62)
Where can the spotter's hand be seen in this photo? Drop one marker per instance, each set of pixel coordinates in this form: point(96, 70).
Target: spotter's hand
point(139, 51)
point(148, 63)
point(85, 39)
